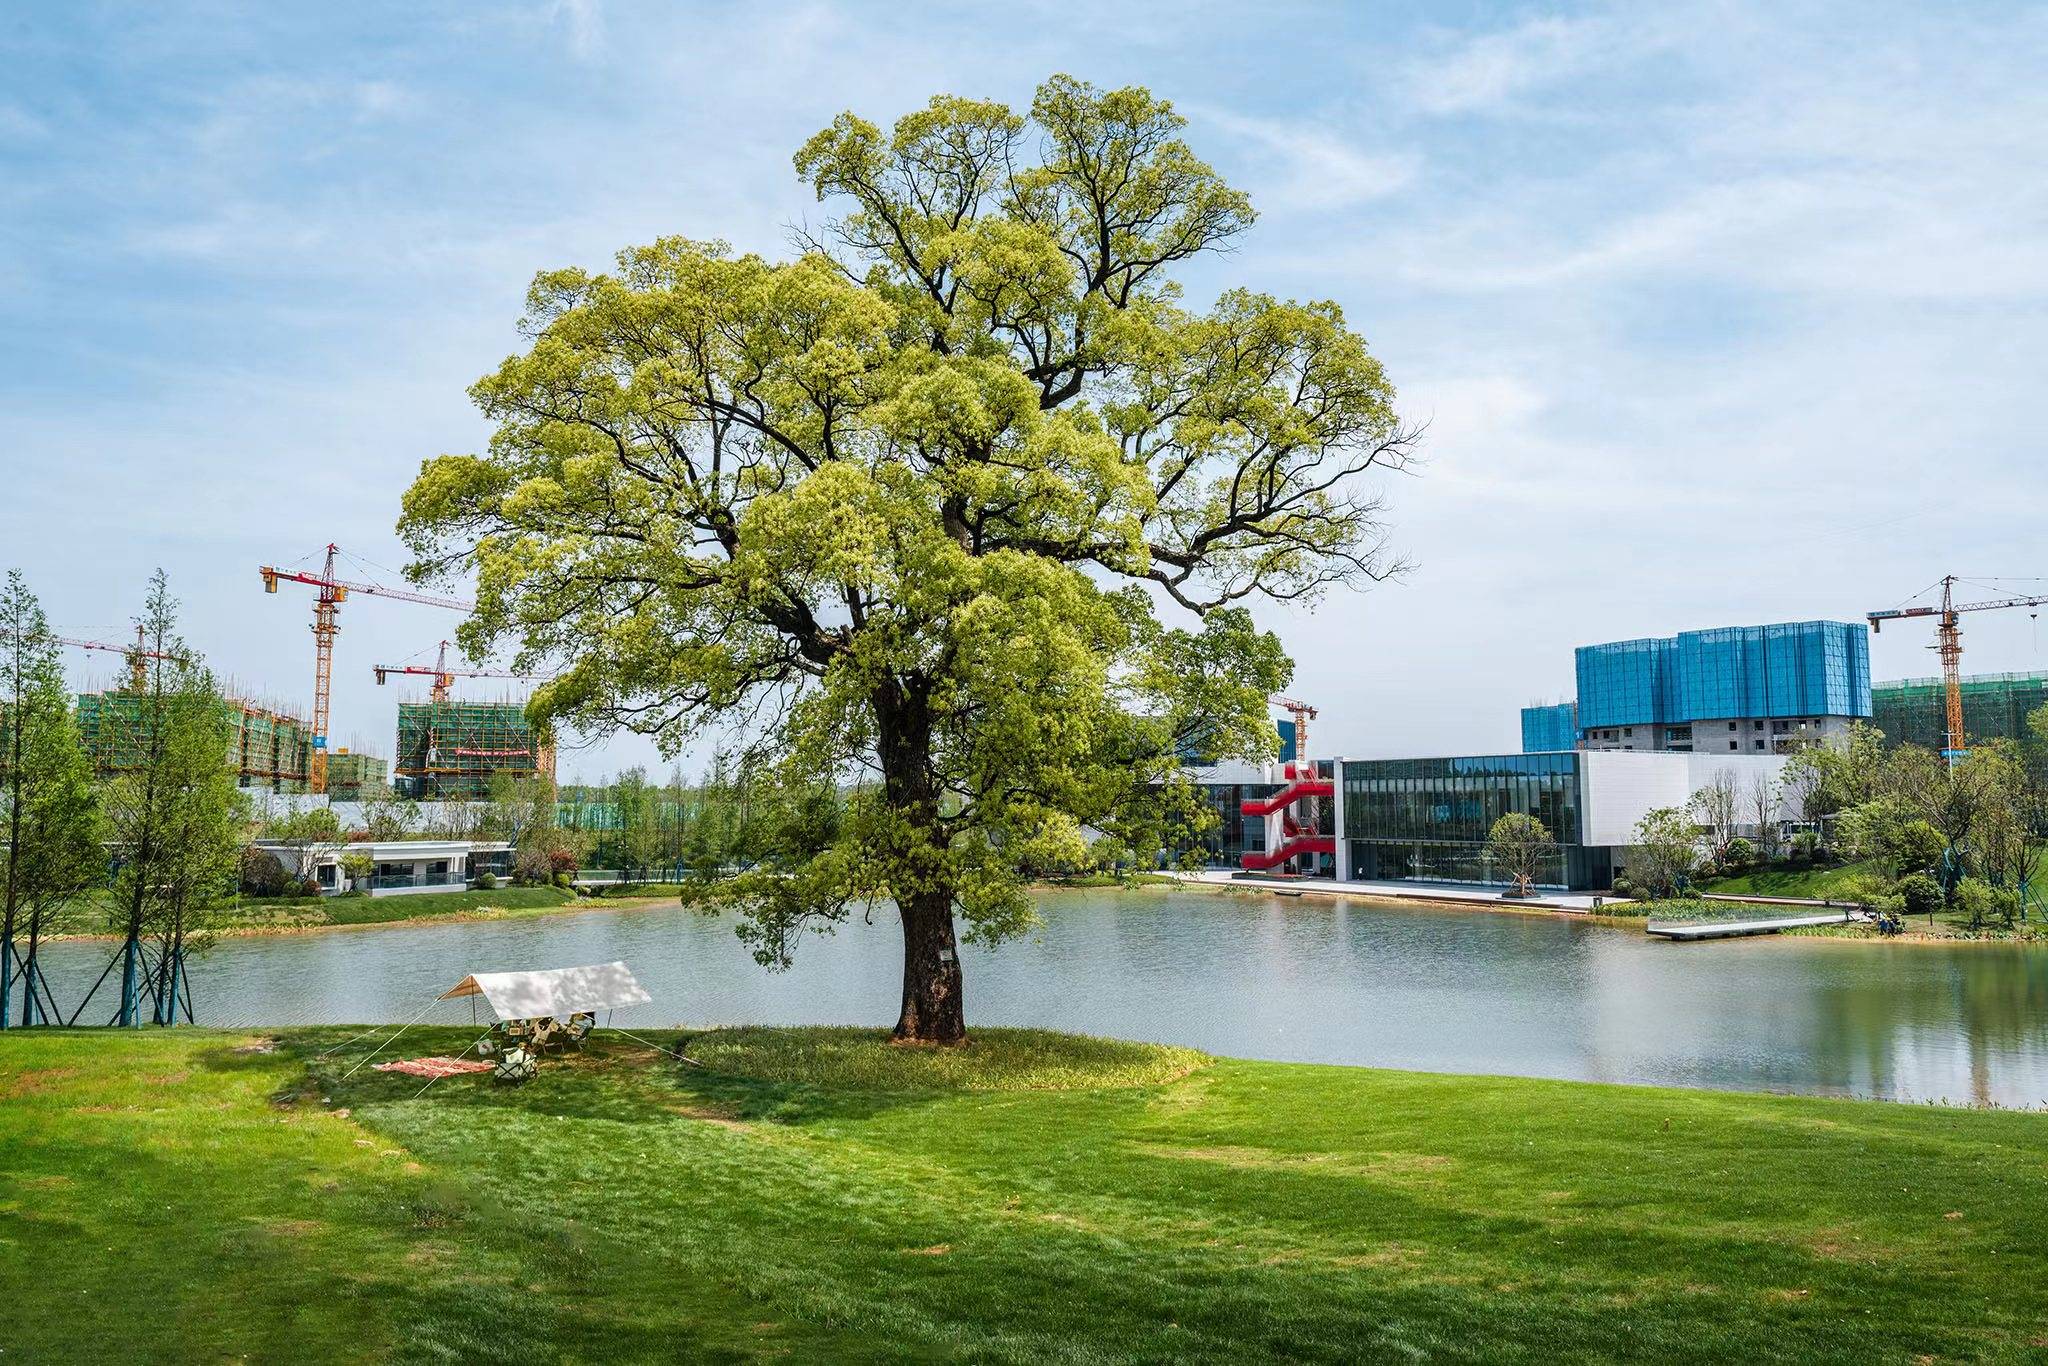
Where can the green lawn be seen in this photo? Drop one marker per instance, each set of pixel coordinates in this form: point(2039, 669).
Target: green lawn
point(819, 1196)
point(364, 910)
point(1817, 883)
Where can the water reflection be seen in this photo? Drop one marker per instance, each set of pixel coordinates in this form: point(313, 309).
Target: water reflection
point(1268, 977)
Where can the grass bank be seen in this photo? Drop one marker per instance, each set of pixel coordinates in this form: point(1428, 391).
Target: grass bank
point(253, 915)
point(1817, 883)
point(816, 1195)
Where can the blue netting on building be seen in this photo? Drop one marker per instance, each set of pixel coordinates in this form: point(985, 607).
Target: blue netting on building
point(1550, 728)
point(1799, 668)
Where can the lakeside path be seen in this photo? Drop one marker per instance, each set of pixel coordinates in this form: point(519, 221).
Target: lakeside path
point(818, 1195)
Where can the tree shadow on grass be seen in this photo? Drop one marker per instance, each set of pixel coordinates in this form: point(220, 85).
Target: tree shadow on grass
point(611, 1078)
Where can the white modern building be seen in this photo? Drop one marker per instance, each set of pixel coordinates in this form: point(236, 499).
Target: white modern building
point(400, 866)
point(1427, 820)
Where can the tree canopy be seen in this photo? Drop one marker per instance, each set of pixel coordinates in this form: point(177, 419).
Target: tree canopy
point(900, 511)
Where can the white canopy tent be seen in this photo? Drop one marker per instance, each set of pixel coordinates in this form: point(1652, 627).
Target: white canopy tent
point(560, 992)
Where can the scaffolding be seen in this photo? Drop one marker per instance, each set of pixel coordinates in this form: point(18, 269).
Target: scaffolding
point(269, 748)
point(450, 751)
point(1913, 711)
point(357, 777)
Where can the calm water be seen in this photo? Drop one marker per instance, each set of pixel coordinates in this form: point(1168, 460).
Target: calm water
point(1251, 975)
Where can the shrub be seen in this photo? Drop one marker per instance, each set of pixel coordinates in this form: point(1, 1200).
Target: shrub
point(487, 881)
point(562, 861)
point(1910, 846)
point(263, 874)
point(1625, 886)
point(564, 878)
point(1739, 854)
point(1920, 893)
point(1805, 846)
point(532, 868)
point(1982, 902)
point(308, 887)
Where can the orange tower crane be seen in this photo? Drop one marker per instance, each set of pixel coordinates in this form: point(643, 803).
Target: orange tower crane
point(1303, 713)
point(331, 593)
point(137, 656)
point(443, 676)
point(1948, 640)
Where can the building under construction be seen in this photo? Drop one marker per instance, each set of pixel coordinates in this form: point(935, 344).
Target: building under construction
point(355, 777)
point(1913, 711)
point(450, 751)
point(269, 749)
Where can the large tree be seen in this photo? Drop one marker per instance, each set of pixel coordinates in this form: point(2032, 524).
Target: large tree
point(901, 510)
point(49, 819)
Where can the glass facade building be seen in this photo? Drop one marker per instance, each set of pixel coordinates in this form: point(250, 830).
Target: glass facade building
point(1225, 843)
point(1914, 711)
point(1791, 669)
point(1427, 820)
point(1550, 727)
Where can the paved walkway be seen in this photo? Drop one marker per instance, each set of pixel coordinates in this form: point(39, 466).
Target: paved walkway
point(1400, 891)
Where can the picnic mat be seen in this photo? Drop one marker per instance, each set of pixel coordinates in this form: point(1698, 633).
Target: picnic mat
point(433, 1067)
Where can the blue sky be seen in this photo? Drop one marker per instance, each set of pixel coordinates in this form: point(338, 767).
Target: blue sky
point(1720, 313)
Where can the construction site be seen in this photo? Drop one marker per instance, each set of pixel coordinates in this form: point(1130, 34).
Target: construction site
point(270, 749)
point(452, 751)
point(1914, 711)
point(444, 748)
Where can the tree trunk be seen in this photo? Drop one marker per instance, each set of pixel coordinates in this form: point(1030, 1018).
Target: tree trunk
point(933, 1008)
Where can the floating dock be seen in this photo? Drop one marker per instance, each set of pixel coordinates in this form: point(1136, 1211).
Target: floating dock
point(1730, 929)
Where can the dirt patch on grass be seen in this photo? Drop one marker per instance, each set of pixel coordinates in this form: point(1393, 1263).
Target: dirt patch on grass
point(289, 1228)
point(35, 1083)
point(1336, 1164)
point(724, 1119)
point(1841, 1245)
point(1393, 1254)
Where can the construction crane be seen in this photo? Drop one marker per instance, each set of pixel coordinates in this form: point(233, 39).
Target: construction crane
point(1948, 640)
point(137, 656)
point(443, 676)
point(1303, 713)
point(332, 592)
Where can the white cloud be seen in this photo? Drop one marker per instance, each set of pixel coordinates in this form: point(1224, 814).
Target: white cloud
point(584, 20)
point(1489, 71)
point(1310, 166)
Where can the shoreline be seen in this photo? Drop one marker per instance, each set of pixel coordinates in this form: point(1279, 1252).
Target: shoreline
point(583, 905)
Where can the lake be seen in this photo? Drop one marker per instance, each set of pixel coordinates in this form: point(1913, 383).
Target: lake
point(1249, 974)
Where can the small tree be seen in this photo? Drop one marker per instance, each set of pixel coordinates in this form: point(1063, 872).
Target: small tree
point(308, 836)
point(1518, 845)
point(1715, 808)
point(50, 814)
point(1921, 894)
point(1665, 851)
point(1762, 798)
point(175, 817)
point(636, 837)
point(264, 874)
point(358, 867)
point(389, 818)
